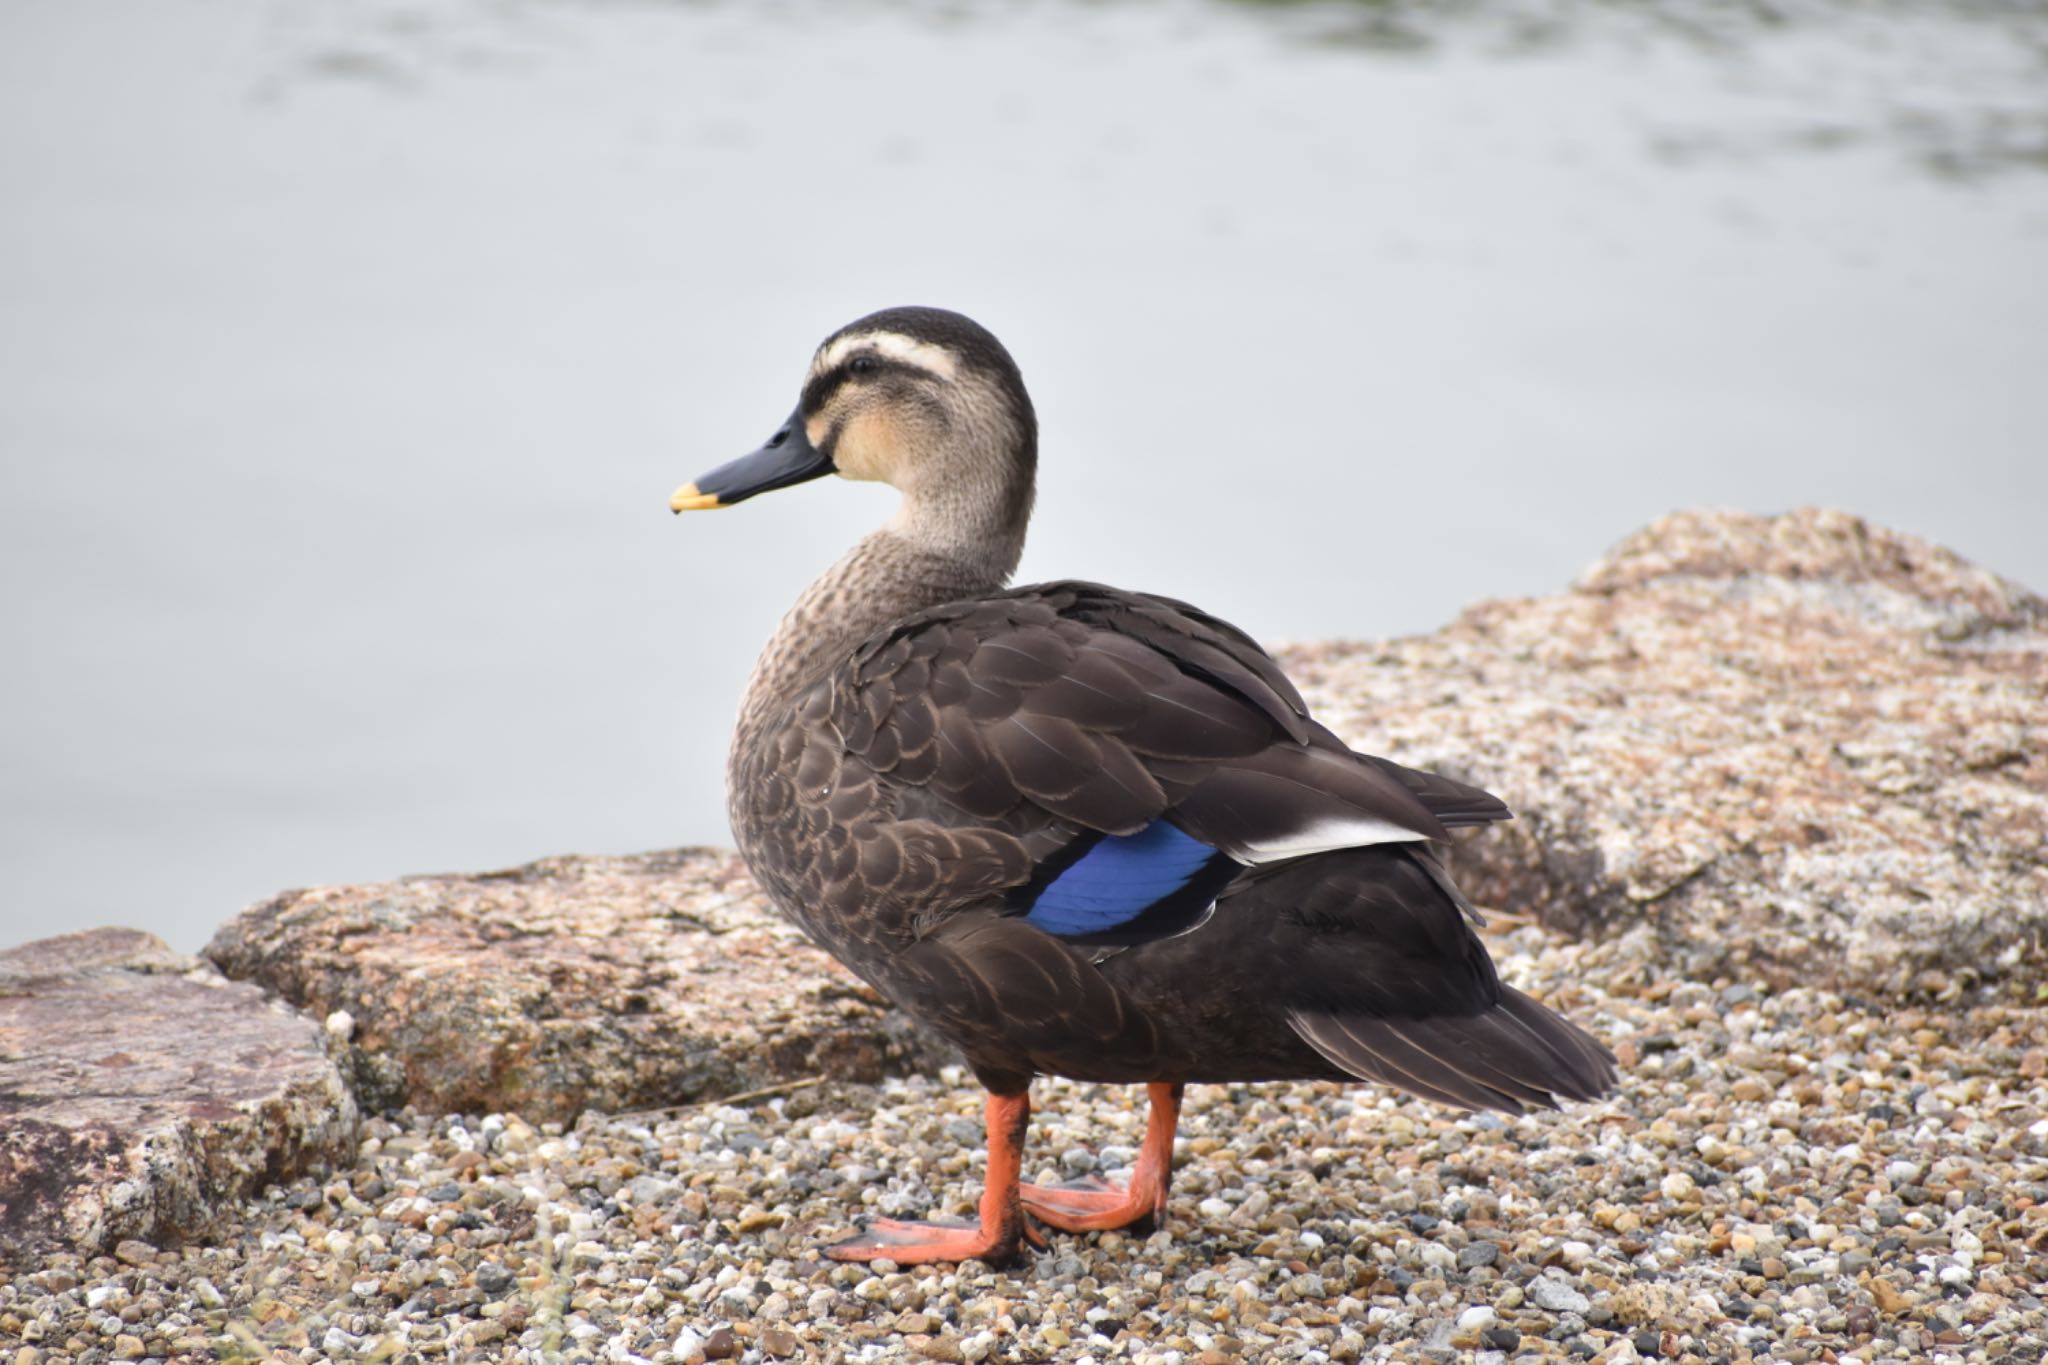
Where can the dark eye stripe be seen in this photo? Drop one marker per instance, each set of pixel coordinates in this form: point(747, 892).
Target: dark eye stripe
point(819, 390)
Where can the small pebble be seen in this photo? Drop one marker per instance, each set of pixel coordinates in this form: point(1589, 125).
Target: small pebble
point(1555, 1296)
point(131, 1252)
point(1478, 1254)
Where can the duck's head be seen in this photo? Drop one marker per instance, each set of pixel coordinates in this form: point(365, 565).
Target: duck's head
point(922, 399)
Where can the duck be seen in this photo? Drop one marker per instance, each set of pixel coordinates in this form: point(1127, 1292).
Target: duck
point(1083, 831)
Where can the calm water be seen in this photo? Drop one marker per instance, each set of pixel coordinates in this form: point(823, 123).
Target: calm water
point(348, 354)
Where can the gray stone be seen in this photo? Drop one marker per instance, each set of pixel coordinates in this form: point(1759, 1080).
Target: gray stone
point(1793, 749)
point(1478, 1254)
point(1555, 1296)
point(143, 1096)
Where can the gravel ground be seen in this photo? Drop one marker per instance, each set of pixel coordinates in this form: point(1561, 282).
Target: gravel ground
point(1794, 1176)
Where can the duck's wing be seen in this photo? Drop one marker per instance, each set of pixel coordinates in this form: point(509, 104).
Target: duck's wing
point(1143, 752)
point(1366, 956)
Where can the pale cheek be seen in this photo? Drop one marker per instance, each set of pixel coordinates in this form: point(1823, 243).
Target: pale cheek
point(816, 429)
point(861, 449)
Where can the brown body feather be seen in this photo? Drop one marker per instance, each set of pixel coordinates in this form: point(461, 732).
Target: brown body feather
point(953, 752)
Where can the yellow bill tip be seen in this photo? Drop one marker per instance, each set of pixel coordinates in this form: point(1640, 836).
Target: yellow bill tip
point(689, 499)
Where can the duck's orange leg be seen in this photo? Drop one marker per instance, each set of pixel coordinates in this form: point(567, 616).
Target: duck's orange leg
point(1002, 1228)
point(1093, 1205)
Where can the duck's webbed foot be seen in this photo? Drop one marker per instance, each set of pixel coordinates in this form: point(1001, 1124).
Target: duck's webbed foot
point(911, 1243)
point(1095, 1205)
point(1002, 1228)
point(1092, 1205)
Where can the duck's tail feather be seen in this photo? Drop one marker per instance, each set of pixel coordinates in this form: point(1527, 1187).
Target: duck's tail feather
point(1513, 1057)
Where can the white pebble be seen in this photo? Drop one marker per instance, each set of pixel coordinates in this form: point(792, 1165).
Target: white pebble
point(342, 1025)
point(1477, 1319)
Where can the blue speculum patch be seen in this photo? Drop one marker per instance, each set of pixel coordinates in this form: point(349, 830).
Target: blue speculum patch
point(1119, 879)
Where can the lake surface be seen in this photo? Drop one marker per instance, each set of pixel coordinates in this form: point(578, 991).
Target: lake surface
point(351, 350)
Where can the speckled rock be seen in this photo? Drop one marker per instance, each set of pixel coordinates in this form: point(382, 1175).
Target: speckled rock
point(142, 1096)
point(1797, 748)
point(572, 983)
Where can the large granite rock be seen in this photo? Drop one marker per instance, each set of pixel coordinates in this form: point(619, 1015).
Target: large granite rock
point(1802, 747)
point(142, 1096)
point(606, 983)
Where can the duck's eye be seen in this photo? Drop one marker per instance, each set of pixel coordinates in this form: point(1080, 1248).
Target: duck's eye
point(862, 364)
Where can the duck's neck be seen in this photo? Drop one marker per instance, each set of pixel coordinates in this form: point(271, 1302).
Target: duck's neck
point(909, 565)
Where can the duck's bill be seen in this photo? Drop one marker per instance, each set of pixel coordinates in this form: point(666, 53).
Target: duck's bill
point(788, 458)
